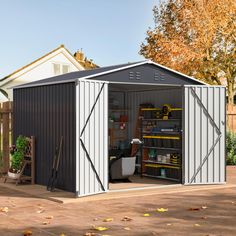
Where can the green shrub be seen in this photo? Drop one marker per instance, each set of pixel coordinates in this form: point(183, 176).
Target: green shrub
point(231, 148)
point(18, 154)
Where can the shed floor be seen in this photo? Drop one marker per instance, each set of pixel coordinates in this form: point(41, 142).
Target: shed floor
point(138, 182)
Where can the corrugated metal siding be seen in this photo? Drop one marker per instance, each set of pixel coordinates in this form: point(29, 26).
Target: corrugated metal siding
point(95, 137)
point(200, 134)
point(48, 112)
point(158, 98)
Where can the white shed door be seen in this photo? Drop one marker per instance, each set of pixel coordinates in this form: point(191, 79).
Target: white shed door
point(92, 137)
point(204, 135)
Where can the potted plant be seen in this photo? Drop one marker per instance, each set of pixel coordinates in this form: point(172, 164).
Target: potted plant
point(17, 156)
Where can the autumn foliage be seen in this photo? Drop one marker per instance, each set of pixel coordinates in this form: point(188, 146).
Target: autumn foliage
point(195, 37)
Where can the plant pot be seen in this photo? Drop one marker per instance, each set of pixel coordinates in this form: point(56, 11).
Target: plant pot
point(13, 175)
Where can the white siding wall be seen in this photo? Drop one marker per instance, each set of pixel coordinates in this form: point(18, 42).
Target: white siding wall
point(41, 71)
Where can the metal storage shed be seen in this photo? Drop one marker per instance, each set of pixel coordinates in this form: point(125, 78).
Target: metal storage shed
point(75, 106)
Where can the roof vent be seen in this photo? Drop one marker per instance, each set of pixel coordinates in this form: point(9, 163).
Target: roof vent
point(159, 76)
point(138, 75)
point(131, 75)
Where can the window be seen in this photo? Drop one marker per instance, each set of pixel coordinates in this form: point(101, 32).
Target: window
point(60, 68)
point(56, 68)
point(65, 69)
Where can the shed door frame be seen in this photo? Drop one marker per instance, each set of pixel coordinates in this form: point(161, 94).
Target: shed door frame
point(91, 137)
point(207, 115)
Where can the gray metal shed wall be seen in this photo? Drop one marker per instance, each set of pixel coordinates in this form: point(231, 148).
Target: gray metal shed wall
point(200, 134)
point(48, 112)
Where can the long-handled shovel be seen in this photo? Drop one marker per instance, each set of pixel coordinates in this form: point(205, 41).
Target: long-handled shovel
point(56, 161)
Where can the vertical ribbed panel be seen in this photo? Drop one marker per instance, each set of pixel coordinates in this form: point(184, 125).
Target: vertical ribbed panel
point(94, 137)
point(204, 134)
point(48, 112)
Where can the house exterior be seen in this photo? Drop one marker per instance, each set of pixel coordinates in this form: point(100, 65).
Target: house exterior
point(58, 61)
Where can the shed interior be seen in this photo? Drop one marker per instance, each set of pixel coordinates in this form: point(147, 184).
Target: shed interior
point(152, 114)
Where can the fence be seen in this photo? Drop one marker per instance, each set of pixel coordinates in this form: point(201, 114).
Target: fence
point(231, 117)
point(5, 134)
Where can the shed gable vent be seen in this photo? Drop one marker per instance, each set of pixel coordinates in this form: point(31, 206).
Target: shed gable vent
point(159, 76)
point(134, 75)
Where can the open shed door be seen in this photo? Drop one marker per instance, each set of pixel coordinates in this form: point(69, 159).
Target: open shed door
point(204, 135)
point(92, 137)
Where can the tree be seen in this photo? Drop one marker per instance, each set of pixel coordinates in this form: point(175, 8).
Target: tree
point(195, 37)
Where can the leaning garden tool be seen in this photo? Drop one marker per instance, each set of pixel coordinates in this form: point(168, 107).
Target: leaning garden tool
point(56, 161)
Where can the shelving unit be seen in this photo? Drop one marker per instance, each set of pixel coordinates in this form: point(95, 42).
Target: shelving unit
point(161, 150)
point(116, 133)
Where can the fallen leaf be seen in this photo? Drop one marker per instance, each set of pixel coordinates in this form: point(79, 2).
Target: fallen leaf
point(40, 211)
point(162, 209)
point(49, 217)
point(4, 209)
point(203, 217)
point(27, 233)
point(204, 207)
point(126, 218)
point(127, 228)
point(89, 234)
point(169, 224)
point(146, 214)
point(197, 225)
point(108, 220)
point(194, 209)
point(46, 222)
point(100, 228)
point(95, 219)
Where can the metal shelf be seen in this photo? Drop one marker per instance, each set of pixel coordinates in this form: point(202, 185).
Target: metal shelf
point(161, 163)
point(162, 132)
point(163, 148)
point(161, 137)
point(162, 119)
point(160, 177)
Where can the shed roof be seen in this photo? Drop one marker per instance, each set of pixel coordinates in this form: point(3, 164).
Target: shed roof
point(103, 73)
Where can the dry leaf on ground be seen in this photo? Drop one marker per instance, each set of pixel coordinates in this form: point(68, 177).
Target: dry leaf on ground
point(204, 217)
point(168, 224)
point(126, 218)
point(204, 207)
point(194, 209)
point(40, 211)
point(100, 228)
point(49, 217)
point(146, 214)
point(27, 233)
point(162, 209)
point(4, 209)
point(127, 228)
point(46, 222)
point(108, 220)
point(89, 234)
point(197, 225)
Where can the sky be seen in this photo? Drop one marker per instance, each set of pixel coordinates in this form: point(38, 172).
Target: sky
point(108, 31)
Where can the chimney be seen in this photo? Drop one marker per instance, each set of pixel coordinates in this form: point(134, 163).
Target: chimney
point(79, 55)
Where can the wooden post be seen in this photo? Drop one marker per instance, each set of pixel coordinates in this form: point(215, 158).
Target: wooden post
point(33, 160)
point(5, 132)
